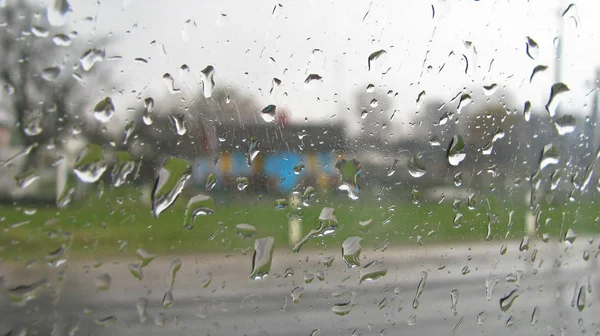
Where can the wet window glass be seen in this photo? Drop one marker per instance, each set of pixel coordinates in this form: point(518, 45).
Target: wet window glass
point(299, 168)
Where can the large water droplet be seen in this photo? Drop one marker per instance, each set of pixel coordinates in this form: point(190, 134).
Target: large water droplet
point(136, 270)
point(242, 182)
point(268, 113)
point(416, 167)
point(550, 156)
point(489, 90)
point(245, 230)
point(296, 294)
point(169, 184)
point(102, 282)
point(145, 257)
point(180, 124)
point(456, 151)
point(556, 94)
point(122, 168)
point(199, 205)
point(454, 301)
point(148, 108)
point(392, 169)
point(90, 164)
point(262, 258)
point(167, 301)
point(208, 80)
point(142, 310)
point(275, 83)
point(211, 181)
point(374, 57)
point(372, 271)
point(104, 110)
point(327, 225)
point(307, 196)
point(32, 125)
point(527, 111)
point(565, 124)
point(465, 99)
point(507, 301)
point(536, 70)
point(581, 298)
point(91, 57)
point(106, 321)
point(170, 83)
point(253, 150)
point(531, 48)
point(22, 294)
point(61, 40)
point(351, 251)
point(312, 80)
point(349, 171)
point(173, 269)
point(570, 236)
point(57, 11)
point(26, 178)
point(128, 130)
point(50, 73)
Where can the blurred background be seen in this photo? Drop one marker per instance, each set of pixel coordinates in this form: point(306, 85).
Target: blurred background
point(191, 128)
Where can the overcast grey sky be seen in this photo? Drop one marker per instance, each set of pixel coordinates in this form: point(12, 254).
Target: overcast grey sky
point(239, 37)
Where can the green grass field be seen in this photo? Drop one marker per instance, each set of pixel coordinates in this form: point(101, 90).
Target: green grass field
point(100, 225)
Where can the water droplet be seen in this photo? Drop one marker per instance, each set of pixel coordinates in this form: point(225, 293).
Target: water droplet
point(297, 294)
point(416, 167)
point(199, 205)
point(527, 111)
point(307, 196)
point(90, 58)
point(320, 275)
point(211, 181)
point(142, 310)
point(420, 289)
point(370, 88)
point(173, 269)
point(148, 108)
point(535, 315)
point(411, 320)
point(180, 124)
point(208, 80)
point(122, 168)
point(50, 74)
point(507, 301)
point(550, 156)
point(372, 271)
point(26, 178)
point(351, 251)
point(298, 169)
point(312, 80)
point(104, 110)
point(392, 169)
point(374, 57)
point(364, 114)
point(503, 249)
point(349, 171)
point(454, 301)
point(570, 236)
point(145, 257)
point(374, 103)
point(581, 298)
point(481, 317)
point(490, 285)
point(531, 48)
point(159, 319)
point(253, 150)
point(167, 300)
point(61, 40)
point(565, 124)
point(268, 113)
point(242, 182)
point(308, 277)
point(102, 282)
point(57, 11)
point(489, 90)
point(263, 255)
point(465, 99)
point(245, 230)
point(556, 94)
point(136, 270)
point(170, 83)
point(457, 222)
point(536, 70)
point(456, 151)
point(207, 280)
point(171, 179)
point(524, 246)
point(275, 84)
point(106, 321)
point(32, 125)
point(90, 164)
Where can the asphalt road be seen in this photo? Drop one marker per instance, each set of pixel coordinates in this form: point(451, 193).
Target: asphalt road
point(233, 304)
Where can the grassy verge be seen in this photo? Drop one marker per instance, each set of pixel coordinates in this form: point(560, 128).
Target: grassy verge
point(99, 226)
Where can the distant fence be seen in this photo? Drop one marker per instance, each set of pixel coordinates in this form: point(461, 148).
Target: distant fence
point(272, 170)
